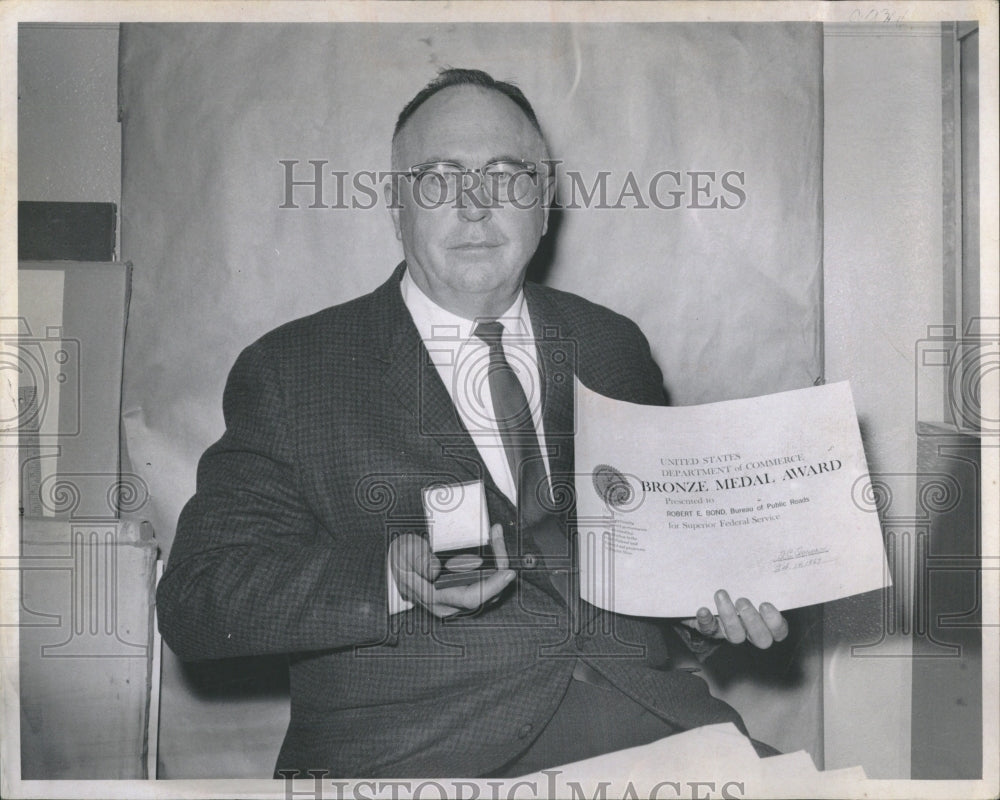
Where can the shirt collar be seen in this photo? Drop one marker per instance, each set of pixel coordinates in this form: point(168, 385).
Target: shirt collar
point(441, 325)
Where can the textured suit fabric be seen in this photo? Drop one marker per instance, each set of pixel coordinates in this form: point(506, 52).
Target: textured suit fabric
point(334, 425)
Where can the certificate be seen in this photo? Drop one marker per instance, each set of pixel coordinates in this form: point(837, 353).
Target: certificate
point(768, 498)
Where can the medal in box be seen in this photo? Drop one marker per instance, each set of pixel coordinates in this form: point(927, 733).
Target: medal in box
point(458, 528)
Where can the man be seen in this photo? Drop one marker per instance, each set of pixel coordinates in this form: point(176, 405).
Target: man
point(308, 535)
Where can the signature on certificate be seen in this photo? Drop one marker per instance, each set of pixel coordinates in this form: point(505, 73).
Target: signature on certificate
point(799, 557)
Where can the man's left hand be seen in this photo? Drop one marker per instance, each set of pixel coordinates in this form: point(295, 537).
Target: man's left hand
point(740, 621)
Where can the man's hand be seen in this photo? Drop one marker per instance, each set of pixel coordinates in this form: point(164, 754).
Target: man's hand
point(414, 568)
point(739, 622)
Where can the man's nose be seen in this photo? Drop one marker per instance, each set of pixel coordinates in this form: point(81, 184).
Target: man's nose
point(474, 202)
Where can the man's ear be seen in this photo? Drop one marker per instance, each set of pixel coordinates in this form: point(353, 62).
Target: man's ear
point(389, 191)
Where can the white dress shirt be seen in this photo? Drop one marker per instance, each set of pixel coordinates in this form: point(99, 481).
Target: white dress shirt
point(462, 361)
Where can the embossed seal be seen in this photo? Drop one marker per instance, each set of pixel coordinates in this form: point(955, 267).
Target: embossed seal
point(612, 486)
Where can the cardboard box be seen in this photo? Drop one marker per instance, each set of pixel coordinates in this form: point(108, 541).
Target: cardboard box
point(87, 599)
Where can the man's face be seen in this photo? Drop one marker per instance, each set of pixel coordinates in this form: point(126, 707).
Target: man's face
point(469, 258)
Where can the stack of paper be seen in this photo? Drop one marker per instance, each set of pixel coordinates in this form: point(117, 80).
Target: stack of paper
point(712, 761)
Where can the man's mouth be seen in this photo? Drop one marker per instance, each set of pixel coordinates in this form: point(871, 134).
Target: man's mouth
point(475, 246)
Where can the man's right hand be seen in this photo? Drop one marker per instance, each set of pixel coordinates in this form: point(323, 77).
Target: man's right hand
point(414, 568)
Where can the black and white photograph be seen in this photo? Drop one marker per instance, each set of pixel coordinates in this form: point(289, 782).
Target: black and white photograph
point(499, 400)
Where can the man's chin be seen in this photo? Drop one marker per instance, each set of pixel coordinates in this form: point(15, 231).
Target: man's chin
point(478, 266)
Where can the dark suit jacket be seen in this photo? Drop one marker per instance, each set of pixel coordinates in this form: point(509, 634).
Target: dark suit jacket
point(334, 425)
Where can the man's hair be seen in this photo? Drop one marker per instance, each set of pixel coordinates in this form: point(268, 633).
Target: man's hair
point(466, 77)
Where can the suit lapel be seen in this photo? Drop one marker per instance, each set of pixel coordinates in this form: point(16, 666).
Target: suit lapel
point(406, 364)
point(409, 374)
point(556, 348)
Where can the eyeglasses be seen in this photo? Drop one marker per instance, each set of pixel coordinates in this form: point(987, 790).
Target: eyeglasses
point(504, 181)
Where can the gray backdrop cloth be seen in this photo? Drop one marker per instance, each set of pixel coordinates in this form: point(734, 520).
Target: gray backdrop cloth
point(730, 298)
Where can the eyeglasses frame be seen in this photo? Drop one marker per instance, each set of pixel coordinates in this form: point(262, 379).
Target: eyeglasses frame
point(419, 170)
